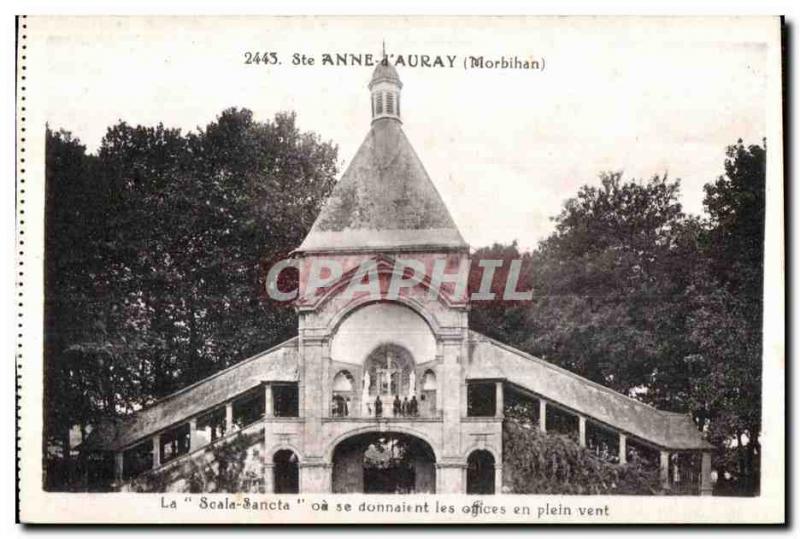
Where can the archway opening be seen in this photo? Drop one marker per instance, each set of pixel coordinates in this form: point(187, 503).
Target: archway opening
point(286, 472)
point(390, 382)
point(480, 472)
point(342, 399)
point(384, 463)
point(428, 397)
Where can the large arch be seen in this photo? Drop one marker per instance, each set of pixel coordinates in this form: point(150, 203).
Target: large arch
point(371, 428)
point(409, 302)
point(372, 324)
point(386, 269)
point(390, 462)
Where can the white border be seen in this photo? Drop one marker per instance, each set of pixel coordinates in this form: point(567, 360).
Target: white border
point(773, 300)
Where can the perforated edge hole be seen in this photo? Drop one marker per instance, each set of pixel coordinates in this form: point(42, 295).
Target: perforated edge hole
point(21, 177)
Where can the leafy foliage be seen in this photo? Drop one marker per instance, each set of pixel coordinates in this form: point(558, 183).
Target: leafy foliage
point(230, 465)
point(667, 308)
point(155, 248)
point(155, 253)
point(229, 469)
point(536, 463)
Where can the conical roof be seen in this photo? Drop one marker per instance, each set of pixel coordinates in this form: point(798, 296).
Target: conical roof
point(384, 200)
point(385, 71)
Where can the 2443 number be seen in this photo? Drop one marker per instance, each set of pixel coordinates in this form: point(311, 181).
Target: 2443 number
point(267, 58)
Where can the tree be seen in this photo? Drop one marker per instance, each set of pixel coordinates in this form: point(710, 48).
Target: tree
point(69, 200)
point(502, 319)
point(631, 293)
point(728, 314)
point(156, 248)
point(607, 289)
point(735, 204)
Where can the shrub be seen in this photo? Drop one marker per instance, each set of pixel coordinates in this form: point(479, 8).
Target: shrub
point(537, 463)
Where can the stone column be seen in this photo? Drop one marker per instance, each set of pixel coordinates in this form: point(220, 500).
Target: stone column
point(269, 476)
point(315, 476)
point(542, 415)
point(437, 399)
point(118, 466)
point(498, 478)
point(266, 459)
point(355, 408)
point(664, 469)
point(194, 440)
point(453, 406)
point(464, 392)
point(623, 449)
point(268, 411)
point(451, 478)
point(582, 430)
point(313, 407)
point(156, 451)
point(706, 486)
point(499, 407)
point(228, 418)
point(327, 390)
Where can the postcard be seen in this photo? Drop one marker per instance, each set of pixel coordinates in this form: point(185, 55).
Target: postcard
point(375, 269)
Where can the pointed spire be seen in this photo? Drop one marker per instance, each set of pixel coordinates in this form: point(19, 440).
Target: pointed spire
point(385, 199)
point(385, 89)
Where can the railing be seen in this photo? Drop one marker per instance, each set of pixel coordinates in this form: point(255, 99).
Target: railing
point(249, 429)
point(405, 411)
point(392, 419)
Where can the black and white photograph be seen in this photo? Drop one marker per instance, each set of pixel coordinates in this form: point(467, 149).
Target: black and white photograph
point(401, 269)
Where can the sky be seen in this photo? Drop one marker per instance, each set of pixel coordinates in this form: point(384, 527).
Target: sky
point(505, 148)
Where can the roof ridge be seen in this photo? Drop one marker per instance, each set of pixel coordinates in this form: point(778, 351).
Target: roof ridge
point(554, 367)
point(360, 209)
point(217, 374)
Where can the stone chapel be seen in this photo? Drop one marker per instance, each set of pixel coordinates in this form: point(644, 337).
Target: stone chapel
point(305, 415)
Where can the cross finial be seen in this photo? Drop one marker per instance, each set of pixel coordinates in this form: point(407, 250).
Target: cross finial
point(384, 48)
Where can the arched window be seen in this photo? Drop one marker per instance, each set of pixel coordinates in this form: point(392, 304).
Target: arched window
point(389, 367)
point(480, 472)
point(286, 472)
point(429, 386)
point(342, 398)
point(378, 103)
point(389, 376)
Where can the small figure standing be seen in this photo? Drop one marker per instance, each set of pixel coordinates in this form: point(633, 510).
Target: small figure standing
point(378, 406)
point(404, 409)
point(396, 406)
point(414, 405)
